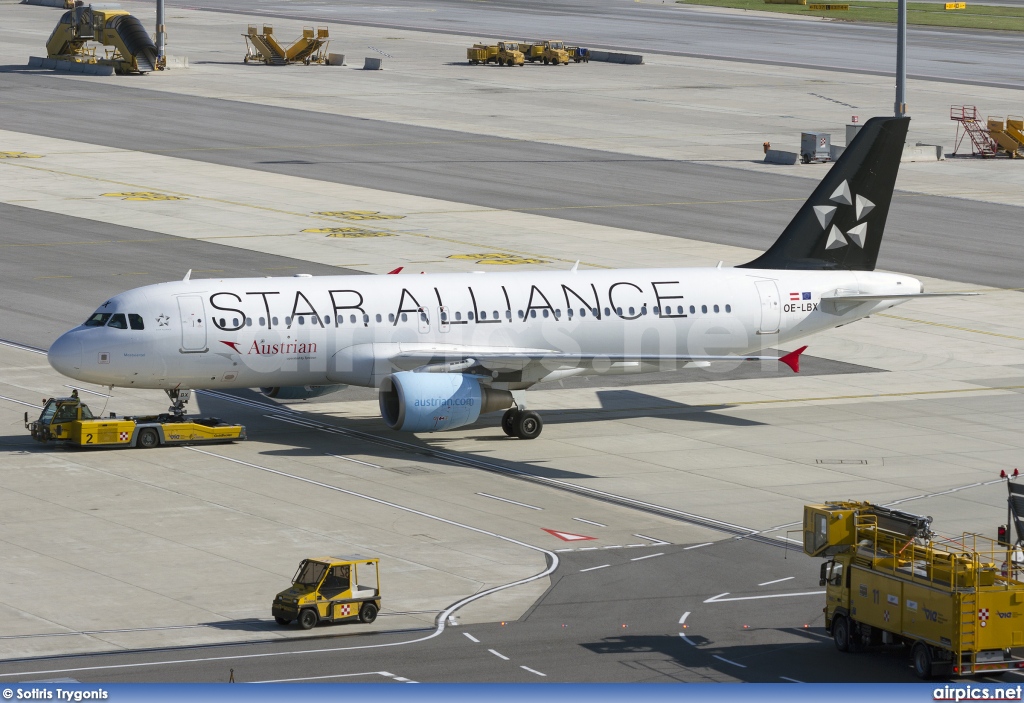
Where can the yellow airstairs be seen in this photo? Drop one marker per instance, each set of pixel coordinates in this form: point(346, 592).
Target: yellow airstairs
point(263, 46)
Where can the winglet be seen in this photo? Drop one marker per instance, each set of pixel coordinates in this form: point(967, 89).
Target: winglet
point(188, 275)
point(792, 359)
point(397, 270)
point(575, 267)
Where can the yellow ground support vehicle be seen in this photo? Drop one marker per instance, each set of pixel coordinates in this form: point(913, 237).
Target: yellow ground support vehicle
point(330, 589)
point(130, 48)
point(955, 602)
point(69, 421)
point(263, 46)
point(504, 53)
point(549, 51)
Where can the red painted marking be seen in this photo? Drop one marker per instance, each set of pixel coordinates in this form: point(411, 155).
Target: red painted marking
point(566, 536)
point(233, 345)
point(397, 270)
point(792, 359)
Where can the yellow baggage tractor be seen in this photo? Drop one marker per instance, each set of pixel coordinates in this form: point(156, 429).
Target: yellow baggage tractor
point(503, 53)
point(955, 602)
point(69, 421)
point(330, 589)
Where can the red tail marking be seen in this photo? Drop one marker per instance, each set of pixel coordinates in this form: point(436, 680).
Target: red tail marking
point(792, 359)
point(397, 270)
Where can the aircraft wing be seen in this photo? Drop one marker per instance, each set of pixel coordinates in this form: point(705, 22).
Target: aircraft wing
point(867, 298)
point(460, 358)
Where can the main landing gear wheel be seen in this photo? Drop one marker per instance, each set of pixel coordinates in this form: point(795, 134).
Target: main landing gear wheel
point(508, 421)
point(528, 425)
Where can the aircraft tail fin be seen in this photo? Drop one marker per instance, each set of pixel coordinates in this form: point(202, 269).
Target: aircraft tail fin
point(841, 224)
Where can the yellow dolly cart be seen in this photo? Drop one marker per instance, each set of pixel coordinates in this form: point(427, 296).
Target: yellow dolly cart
point(330, 589)
point(954, 602)
point(70, 422)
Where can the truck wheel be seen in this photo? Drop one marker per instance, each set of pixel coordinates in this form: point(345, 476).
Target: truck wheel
point(308, 619)
point(508, 421)
point(841, 633)
point(922, 658)
point(368, 613)
point(545, 61)
point(148, 438)
point(281, 621)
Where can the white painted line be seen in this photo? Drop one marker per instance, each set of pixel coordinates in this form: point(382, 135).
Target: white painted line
point(532, 671)
point(794, 541)
point(499, 655)
point(594, 568)
point(720, 599)
point(638, 545)
point(86, 390)
point(786, 678)
point(565, 550)
point(769, 583)
point(471, 638)
point(331, 676)
point(451, 620)
point(682, 620)
point(648, 556)
point(652, 539)
point(815, 634)
point(687, 640)
point(589, 522)
point(697, 546)
point(506, 500)
point(403, 679)
point(613, 546)
point(355, 461)
point(588, 549)
point(729, 661)
point(20, 402)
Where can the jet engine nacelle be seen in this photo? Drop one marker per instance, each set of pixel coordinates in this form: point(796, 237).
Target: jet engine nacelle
point(428, 402)
point(300, 392)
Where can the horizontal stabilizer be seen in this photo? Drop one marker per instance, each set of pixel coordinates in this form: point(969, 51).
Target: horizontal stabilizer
point(865, 298)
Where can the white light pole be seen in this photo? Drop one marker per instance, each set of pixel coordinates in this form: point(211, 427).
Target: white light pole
point(901, 59)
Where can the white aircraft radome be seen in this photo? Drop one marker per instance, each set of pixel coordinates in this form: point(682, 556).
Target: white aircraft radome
point(445, 348)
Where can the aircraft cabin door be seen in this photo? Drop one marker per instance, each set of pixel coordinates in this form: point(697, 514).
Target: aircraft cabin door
point(443, 320)
point(424, 320)
point(193, 324)
point(771, 309)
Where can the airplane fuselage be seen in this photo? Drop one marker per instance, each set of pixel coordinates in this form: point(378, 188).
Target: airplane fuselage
point(304, 331)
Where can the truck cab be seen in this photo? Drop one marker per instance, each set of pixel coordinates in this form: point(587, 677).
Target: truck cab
point(330, 589)
point(56, 414)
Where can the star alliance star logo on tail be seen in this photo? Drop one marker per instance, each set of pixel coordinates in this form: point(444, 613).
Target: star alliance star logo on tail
point(857, 234)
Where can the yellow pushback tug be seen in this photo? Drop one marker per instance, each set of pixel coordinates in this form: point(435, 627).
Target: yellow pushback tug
point(69, 421)
point(955, 602)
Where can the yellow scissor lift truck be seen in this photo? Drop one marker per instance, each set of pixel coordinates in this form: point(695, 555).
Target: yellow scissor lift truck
point(70, 422)
point(330, 589)
point(890, 581)
point(130, 48)
point(504, 53)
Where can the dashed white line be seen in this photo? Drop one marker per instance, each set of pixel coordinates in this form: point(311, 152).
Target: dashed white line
point(638, 545)
point(652, 539)
point(471, 638)
point(729, 661)
point(719, 598)
point(589, 522)
point(565, 550)
point(587, 549)
point(506, 500)
point(385, 674)
point(498, 654)
point(697, 546)
point(355, 461)
point(786, 678)
point(769, 583)
point(613, 546)
point(593, 568)
point(682, 620)
point(648, 556)
point(532, 671)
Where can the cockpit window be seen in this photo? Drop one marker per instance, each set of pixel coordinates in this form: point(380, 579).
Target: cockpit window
point(118, 322)
point(98, 319)
point(136, 321)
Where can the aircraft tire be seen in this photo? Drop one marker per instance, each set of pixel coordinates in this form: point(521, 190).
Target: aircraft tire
point(508, 421)
point(528, 425)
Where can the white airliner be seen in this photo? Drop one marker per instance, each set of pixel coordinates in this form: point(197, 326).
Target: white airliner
point(445, 348)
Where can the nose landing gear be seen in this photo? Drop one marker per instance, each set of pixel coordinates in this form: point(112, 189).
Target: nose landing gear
point(521, 423)
point(179, 399)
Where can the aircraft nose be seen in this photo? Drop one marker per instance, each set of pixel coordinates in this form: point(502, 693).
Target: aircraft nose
point(65, 355)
